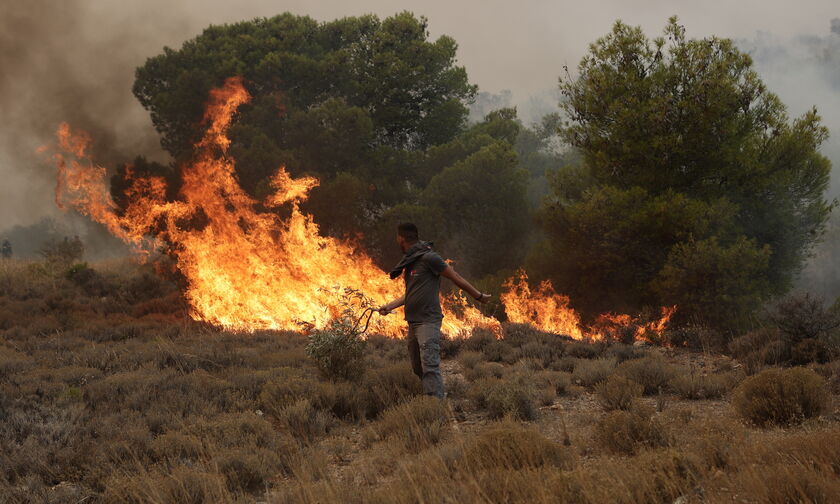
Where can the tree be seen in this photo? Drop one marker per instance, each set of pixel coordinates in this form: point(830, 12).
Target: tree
point(474, 205)
point(680, 143)
point(358, 96)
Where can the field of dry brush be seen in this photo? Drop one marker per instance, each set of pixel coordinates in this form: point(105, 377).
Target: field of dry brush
point(109, 392)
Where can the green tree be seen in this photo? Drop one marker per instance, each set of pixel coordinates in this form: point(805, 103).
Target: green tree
point(358, 96)
point(474, 206)
point(680, 140)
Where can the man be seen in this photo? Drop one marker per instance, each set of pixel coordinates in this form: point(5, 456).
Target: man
point(422, 268)
point(6, 249)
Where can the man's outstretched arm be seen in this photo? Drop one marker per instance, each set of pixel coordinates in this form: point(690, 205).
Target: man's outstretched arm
point(393, 305)
point(467, 287)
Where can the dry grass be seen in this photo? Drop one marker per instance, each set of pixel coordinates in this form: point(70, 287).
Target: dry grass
point(121, 398)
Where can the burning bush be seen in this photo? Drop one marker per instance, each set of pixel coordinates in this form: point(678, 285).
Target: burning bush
point(781, 396)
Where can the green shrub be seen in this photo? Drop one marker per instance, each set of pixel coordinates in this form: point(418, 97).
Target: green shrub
point(624, 432)
point(591, 372)
point(338, 350)
point(781, 396)
point(652, 373)
point(618, 392)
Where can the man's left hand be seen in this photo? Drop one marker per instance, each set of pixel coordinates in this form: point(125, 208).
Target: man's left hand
point(483, 298)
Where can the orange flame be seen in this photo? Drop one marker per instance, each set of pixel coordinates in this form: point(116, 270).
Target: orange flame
point(247, 269)
point(550, 312)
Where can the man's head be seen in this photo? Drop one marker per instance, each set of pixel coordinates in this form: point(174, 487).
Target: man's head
point(407, 235)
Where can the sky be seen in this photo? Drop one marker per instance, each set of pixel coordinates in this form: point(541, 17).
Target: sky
point(74, 60)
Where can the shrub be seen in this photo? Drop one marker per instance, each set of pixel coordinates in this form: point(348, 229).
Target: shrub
point(479, 338)
point(416, 424)
point(338, 350)
point(513, 399)
point(652, 373)
point(621, 352)
point(591, 372)
point(781, 396)
point(510, 446)
point(499, 351)
point(248, 468)
point(624, 432)
point(388, 386)
point(618, 392)
point(760, 347)
point(501, 398)
point(304, 421)
point(288, 385)
point(485, 370)
point(697, 386)
point(582, 350)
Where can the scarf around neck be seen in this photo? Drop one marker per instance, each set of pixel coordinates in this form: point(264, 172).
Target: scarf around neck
point(411, 255)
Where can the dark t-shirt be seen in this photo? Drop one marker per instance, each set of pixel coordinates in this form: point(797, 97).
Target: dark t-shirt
point(422, 288)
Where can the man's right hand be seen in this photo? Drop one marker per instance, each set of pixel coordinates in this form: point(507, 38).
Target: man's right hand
point(383, 310)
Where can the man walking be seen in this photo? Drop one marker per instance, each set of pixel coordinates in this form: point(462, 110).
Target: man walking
point(422, 268)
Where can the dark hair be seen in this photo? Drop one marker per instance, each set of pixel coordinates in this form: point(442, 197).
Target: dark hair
point(408, 231)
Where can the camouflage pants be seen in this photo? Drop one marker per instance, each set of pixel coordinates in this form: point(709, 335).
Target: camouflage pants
point(424, 352)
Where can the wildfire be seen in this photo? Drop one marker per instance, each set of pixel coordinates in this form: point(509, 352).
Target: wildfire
point(549, 311)
point(248, 269)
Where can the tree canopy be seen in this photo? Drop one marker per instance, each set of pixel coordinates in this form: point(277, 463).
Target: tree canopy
point(692, 179)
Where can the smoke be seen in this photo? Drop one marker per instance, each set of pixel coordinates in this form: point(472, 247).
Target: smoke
point(74, 61)
point(804, 71)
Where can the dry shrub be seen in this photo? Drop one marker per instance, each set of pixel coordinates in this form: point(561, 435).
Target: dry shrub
point(582, 350)
point(387, 387)
point(558, 380)
point(624, 432)
point(416, 424)
point(285, 388)
point(479, 338)
point(177, 447)
point(591, 372)
point(181, 484)
point(469, 358)
point(697, 386)
point(651, 372)
point(248, 468)
point(508, 445)
point(304, 421)
point(795, 468)
point(781, 396)
point(485, 370)
point(513, 397)
point(618, 392)
point(500, 351)
point(621, 352)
